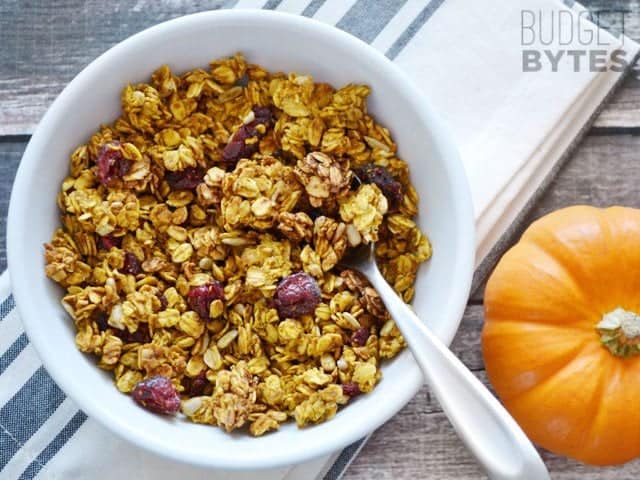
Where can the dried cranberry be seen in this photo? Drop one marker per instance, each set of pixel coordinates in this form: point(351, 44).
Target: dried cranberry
point(186, 179)
point(198, 384)
point(297, 295)
point(131, 264)
point(351, 389)
point(314, 213)
point(107, 242)
point(390, 187)
point(158, 395)
point(262, 115)
point(141, 335)
point(355, 182)
point(243, 81)
point(164, 303)
point(200, 298)
point(284, 156)
point(238, 147)
point(360, 336)
point(111, 163)
point(101, 318)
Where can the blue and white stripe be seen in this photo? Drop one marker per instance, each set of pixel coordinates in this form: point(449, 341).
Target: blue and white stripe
point(36, 419)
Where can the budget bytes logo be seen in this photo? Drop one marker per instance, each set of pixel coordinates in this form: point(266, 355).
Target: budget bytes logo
point(566, 39)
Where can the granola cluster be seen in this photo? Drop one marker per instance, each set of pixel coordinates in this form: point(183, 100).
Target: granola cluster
point(202, 237)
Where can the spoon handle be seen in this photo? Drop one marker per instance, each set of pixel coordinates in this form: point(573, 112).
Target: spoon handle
point(481, 422)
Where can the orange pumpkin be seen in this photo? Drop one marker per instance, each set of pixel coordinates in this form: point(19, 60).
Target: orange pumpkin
point(562, 333)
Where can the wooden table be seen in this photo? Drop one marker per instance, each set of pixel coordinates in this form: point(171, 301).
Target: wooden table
point(42, 46)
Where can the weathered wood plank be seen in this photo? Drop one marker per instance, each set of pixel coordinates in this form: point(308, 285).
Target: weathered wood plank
point(623, 109)
point(603, 172)
point(618, 16)
point(414, 445)
point(424, 446)
point(45, 44)
point(466, 344)
point(10, 154)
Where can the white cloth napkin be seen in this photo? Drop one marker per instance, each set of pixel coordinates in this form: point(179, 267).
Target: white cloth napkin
point(512, 128)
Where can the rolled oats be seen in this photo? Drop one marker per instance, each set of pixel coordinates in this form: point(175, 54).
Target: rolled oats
point(181, 220)
point(325, 179)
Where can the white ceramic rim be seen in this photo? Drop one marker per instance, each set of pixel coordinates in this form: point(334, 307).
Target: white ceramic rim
point(461, 272)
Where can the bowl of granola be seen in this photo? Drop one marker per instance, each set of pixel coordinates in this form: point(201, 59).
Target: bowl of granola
point(196, 189)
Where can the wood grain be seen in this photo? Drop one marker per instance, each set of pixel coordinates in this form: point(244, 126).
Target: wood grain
point(623, 110)
point(424, 446)
point(10, 154)
point(45, 44)
point(610, 13)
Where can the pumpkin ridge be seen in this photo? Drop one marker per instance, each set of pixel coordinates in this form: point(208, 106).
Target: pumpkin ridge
point(583, 428)
point(605, 422)
point(617, 225)
point(610, 223)
point(595, 402)
point(570, 236)
point(555, 369)
point(585, 317)
point(585, 298)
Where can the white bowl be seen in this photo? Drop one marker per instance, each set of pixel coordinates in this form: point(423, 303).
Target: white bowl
point(278, 42)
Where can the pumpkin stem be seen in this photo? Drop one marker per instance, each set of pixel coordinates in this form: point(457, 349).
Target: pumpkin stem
point(620, 332)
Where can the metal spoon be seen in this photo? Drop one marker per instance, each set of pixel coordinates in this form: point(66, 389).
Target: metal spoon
point(481, 422)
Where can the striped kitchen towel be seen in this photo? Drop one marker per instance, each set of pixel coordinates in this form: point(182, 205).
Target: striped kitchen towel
point(515, 106)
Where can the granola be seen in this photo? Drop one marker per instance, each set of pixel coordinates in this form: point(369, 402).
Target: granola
point(201, 239)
